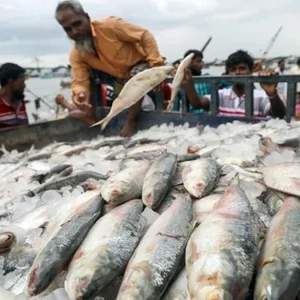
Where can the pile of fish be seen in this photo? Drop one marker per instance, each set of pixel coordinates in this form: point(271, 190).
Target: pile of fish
point(172, 213)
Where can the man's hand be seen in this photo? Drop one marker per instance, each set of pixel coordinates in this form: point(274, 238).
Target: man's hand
point(59, 99)
point(269, 88)
point(81, 102)
point(188, 77)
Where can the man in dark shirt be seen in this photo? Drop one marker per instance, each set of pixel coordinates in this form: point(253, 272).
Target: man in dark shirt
point(12, 105)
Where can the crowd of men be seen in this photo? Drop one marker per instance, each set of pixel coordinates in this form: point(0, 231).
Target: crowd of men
point(116, 51)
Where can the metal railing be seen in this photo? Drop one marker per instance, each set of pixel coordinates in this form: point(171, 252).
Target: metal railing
point(215, 81)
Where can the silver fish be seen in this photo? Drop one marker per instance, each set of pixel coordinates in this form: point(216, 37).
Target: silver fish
point(178, 289)
point(159, 253)
point(125, 185)
point(222, 251)
point(63, 243)
point(105, 251)
point(158, 179)
point(201, 176)
point(284, 178)
point(279, 263)
point(72, 180)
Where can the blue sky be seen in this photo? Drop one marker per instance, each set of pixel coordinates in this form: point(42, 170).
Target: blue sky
point(28, 27)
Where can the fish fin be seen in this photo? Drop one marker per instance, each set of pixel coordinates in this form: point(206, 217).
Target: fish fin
point(103, 123)
point(170, 105)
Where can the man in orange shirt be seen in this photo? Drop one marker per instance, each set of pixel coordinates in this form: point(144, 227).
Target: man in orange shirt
point(109, 45)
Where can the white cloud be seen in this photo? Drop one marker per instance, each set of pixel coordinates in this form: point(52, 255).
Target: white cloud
point(28, 27)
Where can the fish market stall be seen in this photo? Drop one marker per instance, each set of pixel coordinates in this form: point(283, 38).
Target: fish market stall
point(192, 206)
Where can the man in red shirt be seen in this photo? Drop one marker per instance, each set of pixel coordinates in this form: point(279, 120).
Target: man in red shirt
point(12, 105)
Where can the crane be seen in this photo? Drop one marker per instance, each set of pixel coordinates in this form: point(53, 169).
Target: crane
point(273, 40)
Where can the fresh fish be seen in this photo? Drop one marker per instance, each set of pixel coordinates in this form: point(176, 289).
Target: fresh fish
point(201, 176)
point(205, 206)
point(159, 253)
point(42, 177)
point(158, 180)
point(125, 185)
point(149, 155)
point(135, 89)
point(279, 263)
point(267, 146)
point(196, 147)
point(141, 141)
point(63, 243)
point(273, 201)
point(145, 149)
point(169, 199)
point(110, 143)
point(6, 241)
point(222, 251)
point(178, 289)
point(284, 178)
point(187, 157)
point(74, 150)
point(72, 180)
point(105, 251)
point(178, 78)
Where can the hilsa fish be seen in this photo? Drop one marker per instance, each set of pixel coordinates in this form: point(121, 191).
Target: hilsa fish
point(222, 251)
point(157, 257)
point(135, 89)
point(279, 262)
point(178, 78)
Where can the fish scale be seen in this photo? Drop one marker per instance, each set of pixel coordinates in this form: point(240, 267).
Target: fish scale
point(105, 251)
point(157, 257)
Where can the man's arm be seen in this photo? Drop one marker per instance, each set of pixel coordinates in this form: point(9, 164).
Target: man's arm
point(130, 33)
point(195, 100)
point(277, 106)
point(80, 76)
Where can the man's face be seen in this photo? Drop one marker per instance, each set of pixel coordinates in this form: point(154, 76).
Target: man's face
point(240, 69)
point(197, 64)
point(281, 65)
point(77, 26)
point(17, 87)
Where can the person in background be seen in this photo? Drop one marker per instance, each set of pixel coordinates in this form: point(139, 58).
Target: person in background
point(200, 88)
point(109, 45)
point(12, 104)
point(232, 100)
point(296, 71)
point(281, 87)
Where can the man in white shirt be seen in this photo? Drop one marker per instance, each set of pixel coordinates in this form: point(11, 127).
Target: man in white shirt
point(232, 100)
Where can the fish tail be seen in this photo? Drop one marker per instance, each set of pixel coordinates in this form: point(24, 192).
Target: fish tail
point(103, 123)
point(171, 101)
point(170, 105)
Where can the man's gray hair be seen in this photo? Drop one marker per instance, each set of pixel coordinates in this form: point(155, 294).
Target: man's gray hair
point(69, 4)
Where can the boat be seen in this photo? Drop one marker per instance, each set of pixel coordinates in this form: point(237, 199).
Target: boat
point(70, 130)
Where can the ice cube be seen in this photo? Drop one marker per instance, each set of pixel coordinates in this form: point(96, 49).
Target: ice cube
point(33, 236)
point(51, 196)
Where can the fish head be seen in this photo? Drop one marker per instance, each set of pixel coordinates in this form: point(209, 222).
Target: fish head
point(78, 280)
point(38, 280)
point(214, 292)
point(139, 283)
point(273, 272)
point(154, 191)
point(196, 187)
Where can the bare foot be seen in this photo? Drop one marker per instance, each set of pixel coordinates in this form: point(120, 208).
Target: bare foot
point(128, 129)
